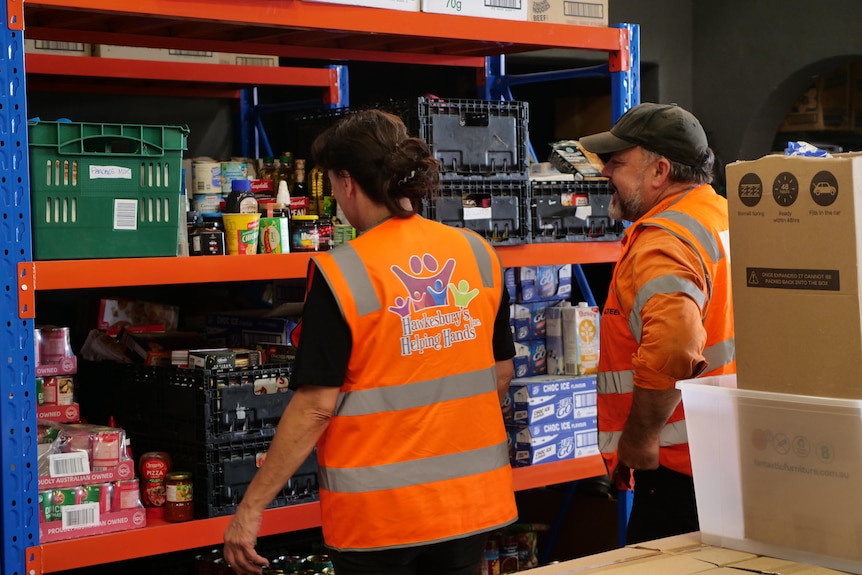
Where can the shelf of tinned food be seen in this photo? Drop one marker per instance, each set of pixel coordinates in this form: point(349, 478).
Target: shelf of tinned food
point(160, 537)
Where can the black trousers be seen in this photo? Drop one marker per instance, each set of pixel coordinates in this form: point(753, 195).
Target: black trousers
point(457, 557)
point(664, 505)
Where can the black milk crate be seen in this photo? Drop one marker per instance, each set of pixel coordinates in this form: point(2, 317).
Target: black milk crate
point(476, 137)
point(572, 210)
point(494, 208)
point(195, 405)
point(222, 473)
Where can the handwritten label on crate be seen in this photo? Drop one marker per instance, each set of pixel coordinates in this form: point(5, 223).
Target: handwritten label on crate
point(110, 172)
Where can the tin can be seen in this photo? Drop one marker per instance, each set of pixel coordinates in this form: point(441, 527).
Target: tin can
point(178, 497)
point(318, 563)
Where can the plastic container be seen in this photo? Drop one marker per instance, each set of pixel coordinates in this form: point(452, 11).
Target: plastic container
point(304, 234)
point(572, 211)
point(105, 190)
point(776, 474)
point(241, 233)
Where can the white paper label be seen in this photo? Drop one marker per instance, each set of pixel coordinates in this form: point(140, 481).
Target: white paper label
point(110, 173)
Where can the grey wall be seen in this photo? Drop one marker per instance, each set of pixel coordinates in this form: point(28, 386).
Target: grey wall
point(739, 65)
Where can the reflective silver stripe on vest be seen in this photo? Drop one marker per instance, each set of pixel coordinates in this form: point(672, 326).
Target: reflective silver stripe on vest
point(704, 237)
point(418, 394)
point(415, 472)
point(357, 279)
point(660, 285)
point(483, 258)
point(671, 434)
point(720, 354)
point(615, 381)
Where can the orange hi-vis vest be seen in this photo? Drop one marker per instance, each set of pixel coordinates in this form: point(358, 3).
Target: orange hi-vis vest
point(416, 451)
point(699, 218)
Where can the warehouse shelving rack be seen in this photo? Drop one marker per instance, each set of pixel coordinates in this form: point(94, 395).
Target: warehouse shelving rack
point(289, 28)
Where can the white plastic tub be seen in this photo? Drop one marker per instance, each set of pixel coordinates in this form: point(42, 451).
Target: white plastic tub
point(777, 474)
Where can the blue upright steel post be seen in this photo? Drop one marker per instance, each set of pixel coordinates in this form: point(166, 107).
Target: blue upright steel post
point(625, 94)
point(19, 495)
point(248, 128)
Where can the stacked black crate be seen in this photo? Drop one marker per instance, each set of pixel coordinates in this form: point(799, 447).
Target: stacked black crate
point(482, 149)
point(216, 423)
point(572, 211)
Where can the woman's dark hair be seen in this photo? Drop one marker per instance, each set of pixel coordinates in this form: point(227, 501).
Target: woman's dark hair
point(376, 150)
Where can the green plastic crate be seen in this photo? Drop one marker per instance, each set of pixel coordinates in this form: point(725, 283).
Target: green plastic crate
point(105, 190)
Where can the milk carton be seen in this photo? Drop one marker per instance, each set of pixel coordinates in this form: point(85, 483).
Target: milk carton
point(581, 339)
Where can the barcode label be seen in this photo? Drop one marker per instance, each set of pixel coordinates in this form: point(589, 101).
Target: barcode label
point(511, 4)
point(192, 53)
point(67, 464)
point(79, 516)
point(583, 10)
point(587, 438)
point(253, 61)
point(585, 399)
point(125, 214)
point(59, 46)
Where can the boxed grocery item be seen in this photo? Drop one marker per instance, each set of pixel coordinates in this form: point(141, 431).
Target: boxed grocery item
point(551, 398)
point(116, 313)
point(57, 48)
point(774, 473)
point(53, 351)
point(825, 105)
point(554, 440)
point(81, 454)
point(249, 327)
point(580, 334)
point(505, 10)
point(408, 5)
point(530, 357)
point(592, 13)
point(519, 321)
point(543, 283)
point(554, 348)
point(797, 242)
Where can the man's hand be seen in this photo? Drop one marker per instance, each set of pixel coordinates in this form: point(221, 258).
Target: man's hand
point(239, 540)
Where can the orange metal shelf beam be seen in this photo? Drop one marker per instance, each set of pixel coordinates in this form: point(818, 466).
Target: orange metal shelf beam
point(78, 274)
point(78, 66)
point(160, 537)
point(294, 14)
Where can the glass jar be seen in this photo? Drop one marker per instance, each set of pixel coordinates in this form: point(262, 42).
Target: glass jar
point(178, 497)
point(304, 234)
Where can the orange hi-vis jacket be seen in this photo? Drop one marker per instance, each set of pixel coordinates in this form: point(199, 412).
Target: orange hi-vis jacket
point(416, 451)
point(697, 218)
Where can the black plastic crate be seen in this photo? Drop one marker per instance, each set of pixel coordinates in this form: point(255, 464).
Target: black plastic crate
point(496, 209)
point(193, 405)
point(572, 210)
point(476, 137)
point(222, 473)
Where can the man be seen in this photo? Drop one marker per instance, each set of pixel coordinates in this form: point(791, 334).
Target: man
point(668, 315)
point(404, 355)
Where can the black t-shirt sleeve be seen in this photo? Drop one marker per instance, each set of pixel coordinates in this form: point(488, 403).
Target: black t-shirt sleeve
point(325, 342)
point(504, 345)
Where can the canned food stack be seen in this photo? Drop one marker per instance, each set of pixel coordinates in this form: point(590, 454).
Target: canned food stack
point(87, 482)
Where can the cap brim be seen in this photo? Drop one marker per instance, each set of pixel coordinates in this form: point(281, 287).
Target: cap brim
point(604, 143)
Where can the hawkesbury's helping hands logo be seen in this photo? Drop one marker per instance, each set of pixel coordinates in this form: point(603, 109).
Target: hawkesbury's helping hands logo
point(429, 286)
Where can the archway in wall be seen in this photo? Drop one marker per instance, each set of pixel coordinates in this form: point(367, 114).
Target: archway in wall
point(766, 133)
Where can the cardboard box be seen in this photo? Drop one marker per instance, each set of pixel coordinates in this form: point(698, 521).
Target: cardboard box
point(407, 5)
point(189, 56)
point(530, 357)
point(775, 473)
point(550, 398)
point(586, 13)
point(58, 48)
point(825, 105)
point(543, 283)
point(796, 248)
point(506, 9)
point(554, 441)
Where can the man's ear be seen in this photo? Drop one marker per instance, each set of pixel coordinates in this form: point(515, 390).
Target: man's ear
point(662, 170)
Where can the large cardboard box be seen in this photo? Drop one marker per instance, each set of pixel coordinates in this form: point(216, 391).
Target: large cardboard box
point(188, 56)
point(795, 245)
point(578, 13)
point(824, 105)
point(407, 5)
point(58, 48)
point(775, 473)
point(505, 9)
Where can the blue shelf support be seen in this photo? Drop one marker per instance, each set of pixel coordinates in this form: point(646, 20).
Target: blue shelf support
point(19, 494)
